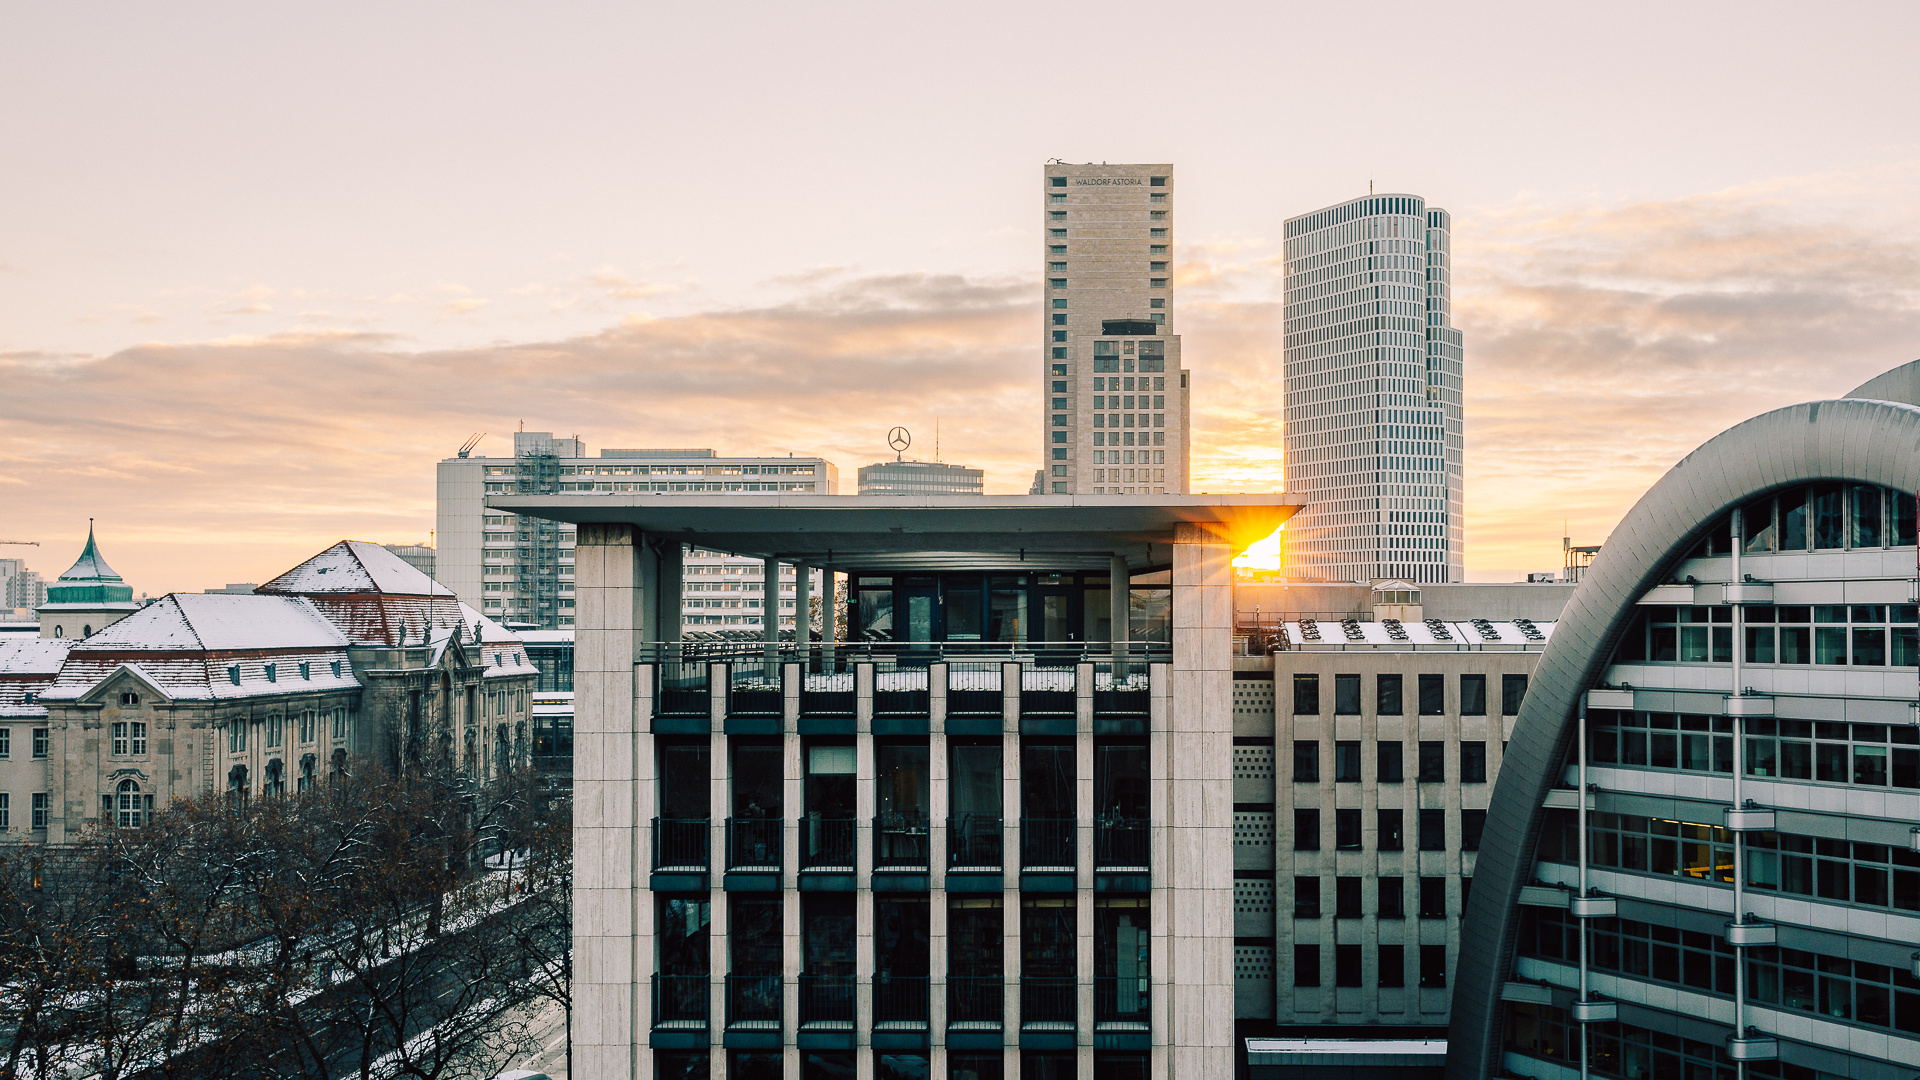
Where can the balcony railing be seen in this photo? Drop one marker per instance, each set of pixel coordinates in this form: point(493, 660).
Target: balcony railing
point(900, 840)
point(826, 999)
point(680, 843)
point(680, 689)
point(1125, 696)
point(975, 999)
point(901, 692)
point(826, 695)
point(1121, 1001)
point(975, 690)
point(751, 693)
point(1047, 1000)
point(1120, 841)
point(681, 1001)
point(1047, 842)
point(899, 999)
point(753, 1001)
point(754, 843)
point(974, 842)
point(826, 843)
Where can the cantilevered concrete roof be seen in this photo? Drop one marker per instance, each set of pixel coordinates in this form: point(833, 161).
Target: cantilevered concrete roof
point(893, 532)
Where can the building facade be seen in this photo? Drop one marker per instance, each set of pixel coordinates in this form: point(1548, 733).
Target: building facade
point(977, 837)
point(88, 597)
point(1733, 687)
point(521, 571)
point(352, 654)
point(1116, 416)
point(20, 588)
point(1373, 371)
point(919, 478)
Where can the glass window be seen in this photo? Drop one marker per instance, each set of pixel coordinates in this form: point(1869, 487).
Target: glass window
point(1433, 695)
point(1433, 898)
point(1391, 836)
point(1829, 516)
point(1346, 762)
point(1473, 695)
point(1388, 756)
point(1306, 830)
point(1346, 695)
point(1306, 761)
point(1387, 696)
point(1306, 695)
point(1433, 762)
point(1473, 762)
point(1393, 898)
point(1306, 898)
point(1513, 690)
point(1866, 516)
point(1433, 830)
point(1346, 834)
point(1306, 965)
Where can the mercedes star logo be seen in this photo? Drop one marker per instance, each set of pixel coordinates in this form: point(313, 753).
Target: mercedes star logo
point(899, 438)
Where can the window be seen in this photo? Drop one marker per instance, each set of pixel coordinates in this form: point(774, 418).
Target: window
point(1473, 695)
point(1388, 755)
point(129, 699)
point(1433, 898)
point(274, 730)
point(6, 742)
point(308, 726)
point(1057, 233)
point(1156, 181)
point(236, 735)
point(340, 723)
point(233, 674)
point(1056, 199)
point(1306, 965)
point(1473, 763)
point(41, 809)
point(1346, 830)
point(6, 813)
point(1056, 215)
point(1433, 830)
point(1346, 695)
point(1306, 695)
point(1346, 762)
point(1393, 904)
point(1472, 824)
point(1513, 689)
point(1306, 761)
point(1433, 967)
point(1433, 762)
point(39, 742)
point(1306, 898)
point(1387, 695)
point(129, 738)
point(271, 676)
point(1306, 830)
point(1391, 836)
point(1057, 181)
point(1433, 695)
point(1393, 965)
point(1346, 965)
point(1346, 895)
point(130, 806)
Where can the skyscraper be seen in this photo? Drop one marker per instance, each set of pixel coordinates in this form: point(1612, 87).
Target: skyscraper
point(1373, 370)
point(1115, 421)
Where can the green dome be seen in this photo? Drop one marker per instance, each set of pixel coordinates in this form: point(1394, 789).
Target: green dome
point(90, 580)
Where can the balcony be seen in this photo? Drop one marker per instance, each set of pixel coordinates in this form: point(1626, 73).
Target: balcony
point(1121, 1002)
point(826, 695)
point(751, 693)
point(975, 690)
point(1047, 691)
point(680, 1002)
point(826, 1001)
point(1047, 843)
point(901, 692)
point(975, 1001)
point(974, 842)
point(681, 844)
point(900, 1001)
point(1126, 696)
point(901, 841)
point(681, 690)
point(753, 1002)
point(827, 844)
point(754, 843)
point(1120, 842)
point(1048, 1002)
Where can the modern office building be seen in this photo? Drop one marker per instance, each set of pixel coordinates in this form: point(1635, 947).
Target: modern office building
point(1116, 411)
point(1707, 862)
point(1373, 375)
point(418, 556)
point(20, 588)
point(976, 838)
point(919, 478)
point(521, 571)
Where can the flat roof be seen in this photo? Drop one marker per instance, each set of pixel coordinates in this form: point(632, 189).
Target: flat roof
point(1397, 1052)
point(931, 532)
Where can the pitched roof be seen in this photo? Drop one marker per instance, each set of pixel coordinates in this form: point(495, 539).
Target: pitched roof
point(217, 622)
point(355, 566)
point(90, 567)
point(33, 656)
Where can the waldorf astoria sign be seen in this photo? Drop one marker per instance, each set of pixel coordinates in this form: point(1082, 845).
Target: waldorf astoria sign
point(1109, 180)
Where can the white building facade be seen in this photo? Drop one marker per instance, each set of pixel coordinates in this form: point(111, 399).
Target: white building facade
point(1116, 411)
point(1373, 378)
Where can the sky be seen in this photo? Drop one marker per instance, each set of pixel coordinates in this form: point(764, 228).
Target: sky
point(262, 265)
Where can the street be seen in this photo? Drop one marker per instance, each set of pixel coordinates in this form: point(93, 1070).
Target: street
point(548, 1026)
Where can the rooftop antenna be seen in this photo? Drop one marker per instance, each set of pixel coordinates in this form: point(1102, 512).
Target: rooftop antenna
point(936, 438)
point(472, 441)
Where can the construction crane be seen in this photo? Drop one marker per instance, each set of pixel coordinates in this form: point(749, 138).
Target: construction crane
point(25, 543)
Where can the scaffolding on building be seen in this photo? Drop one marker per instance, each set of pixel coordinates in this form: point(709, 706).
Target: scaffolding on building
point(537, 553)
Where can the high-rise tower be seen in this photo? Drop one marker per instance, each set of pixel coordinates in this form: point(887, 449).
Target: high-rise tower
point(1373, 370)
point(1115, 421)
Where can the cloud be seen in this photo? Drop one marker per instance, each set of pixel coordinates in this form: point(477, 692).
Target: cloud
point(463, 307)
point(621, 287)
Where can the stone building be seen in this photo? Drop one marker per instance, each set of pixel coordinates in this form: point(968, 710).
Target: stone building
point(88, 597)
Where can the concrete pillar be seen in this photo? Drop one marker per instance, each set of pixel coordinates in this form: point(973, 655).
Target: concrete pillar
point(719, 807)
point(1083, 810)
point(829, 618)
point(1193, 947)
point(1010, 913)
point(802, 617)
point(668, 599)
point(770, 615)
point(1120, 582)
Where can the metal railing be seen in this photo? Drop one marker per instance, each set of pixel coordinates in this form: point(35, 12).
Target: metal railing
point(754, 843)
point(1047, 842)
point(974, 841)
point(681, 1000)
point(753, 1000)
point(1048, 690)
point(826, 843)
point(700, 647)
point(826, 999)
point(901, 692)
point(1048, 1000)
point(1121, 1001)
point(680, 689)
point(1127, 696)
point(975, 999)
point(975, 690)
point(681, 843)
point(1120, 841)
point(750, 694)
point(901, 840)
point(826, 695)
point(899, 999)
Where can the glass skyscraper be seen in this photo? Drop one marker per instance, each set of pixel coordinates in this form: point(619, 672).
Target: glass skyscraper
point(1373, 370)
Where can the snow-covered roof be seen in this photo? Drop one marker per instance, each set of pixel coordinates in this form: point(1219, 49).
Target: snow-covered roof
point(219, 622)
point(1431, 633)
point(187, 677)
point(355, 566)
point(90, 567)
point(33, 656)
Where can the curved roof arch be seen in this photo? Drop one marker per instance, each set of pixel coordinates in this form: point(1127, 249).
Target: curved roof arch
point(1863, 441)
point(1900, 384)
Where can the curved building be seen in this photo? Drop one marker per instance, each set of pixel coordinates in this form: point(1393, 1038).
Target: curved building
point(1740, 893)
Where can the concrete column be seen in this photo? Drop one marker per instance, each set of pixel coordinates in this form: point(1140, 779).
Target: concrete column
point(609, 1037)
point(790, 955)
point(1010, 810)
point(1083, 810)
point(668, 596)
point(1195, 952)
point(865, 802)
point(829, 618)
point(770, 615)
point(802, 618)
point(1120, 582)
point(939, 805)
point(719, 808)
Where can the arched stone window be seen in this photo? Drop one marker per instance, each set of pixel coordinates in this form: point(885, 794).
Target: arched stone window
point(276, 778)
point(237, 784)
point(130, 805)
